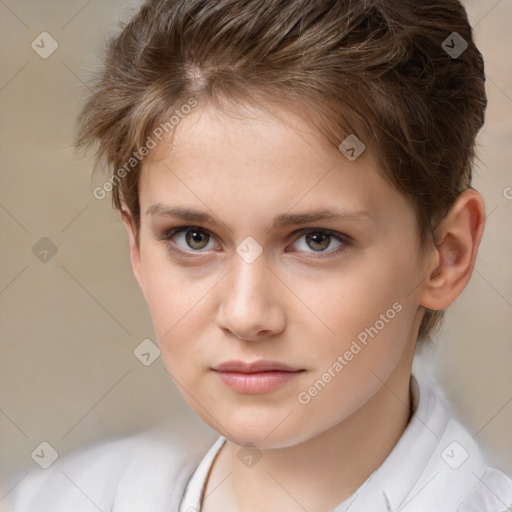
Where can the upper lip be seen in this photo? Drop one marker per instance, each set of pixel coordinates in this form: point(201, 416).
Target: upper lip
point(254, 367)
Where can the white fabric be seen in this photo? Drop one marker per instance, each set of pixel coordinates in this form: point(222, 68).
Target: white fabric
point(425, 472)
point(195, 489)
point(145, 472)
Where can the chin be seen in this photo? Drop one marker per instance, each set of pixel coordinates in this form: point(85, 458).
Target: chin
point(264, 434)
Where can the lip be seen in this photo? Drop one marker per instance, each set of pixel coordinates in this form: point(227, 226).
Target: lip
point(256, 377)
point(255, 367)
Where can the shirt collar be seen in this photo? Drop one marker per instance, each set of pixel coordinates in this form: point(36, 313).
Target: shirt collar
point(388, 488)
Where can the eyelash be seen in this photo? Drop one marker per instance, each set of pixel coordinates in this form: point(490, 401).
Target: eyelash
point(344, 239)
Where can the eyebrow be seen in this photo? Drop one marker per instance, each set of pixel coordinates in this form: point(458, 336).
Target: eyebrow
point(283, 220)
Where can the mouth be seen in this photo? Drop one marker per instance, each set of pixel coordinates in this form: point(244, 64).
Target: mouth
point(256, 377)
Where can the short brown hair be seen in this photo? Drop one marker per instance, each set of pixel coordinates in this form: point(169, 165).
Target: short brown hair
point(379, 69)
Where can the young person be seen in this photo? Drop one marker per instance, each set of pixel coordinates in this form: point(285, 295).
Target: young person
point(294, 178)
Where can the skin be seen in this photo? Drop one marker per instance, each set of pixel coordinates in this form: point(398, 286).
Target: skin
point(215, 306)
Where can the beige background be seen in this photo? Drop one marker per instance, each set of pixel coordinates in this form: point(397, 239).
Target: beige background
point(69, 326)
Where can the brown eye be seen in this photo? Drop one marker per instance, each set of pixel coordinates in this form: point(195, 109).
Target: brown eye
point(188, 239)
point(318, 241)
point(196, 238)
point(325, 243)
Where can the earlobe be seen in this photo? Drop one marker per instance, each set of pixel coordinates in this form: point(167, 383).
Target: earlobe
point(132, 233)
point(455, 252)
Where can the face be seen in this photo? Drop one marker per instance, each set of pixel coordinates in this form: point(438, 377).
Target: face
point(237, 268)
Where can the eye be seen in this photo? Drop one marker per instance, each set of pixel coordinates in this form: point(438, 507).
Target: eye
point(319, 240)
point(188, 239)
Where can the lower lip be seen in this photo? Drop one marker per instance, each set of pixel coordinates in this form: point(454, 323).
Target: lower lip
point(253, 383)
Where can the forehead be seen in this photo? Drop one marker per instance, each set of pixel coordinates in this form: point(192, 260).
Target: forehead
point(260, 163)
point(264, 134)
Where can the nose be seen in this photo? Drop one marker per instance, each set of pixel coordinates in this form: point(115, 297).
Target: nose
point(251, 305)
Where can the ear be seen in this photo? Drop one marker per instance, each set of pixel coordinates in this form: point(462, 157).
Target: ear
point(132, 231)
point(451, 262)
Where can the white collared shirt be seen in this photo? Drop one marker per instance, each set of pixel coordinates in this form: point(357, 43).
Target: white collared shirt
point(436, 466)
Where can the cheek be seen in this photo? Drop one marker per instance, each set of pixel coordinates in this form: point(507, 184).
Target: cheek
point(164, 292)
point(369, 313)
point(177, 306)
point(351, 366)
point(365, 297)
